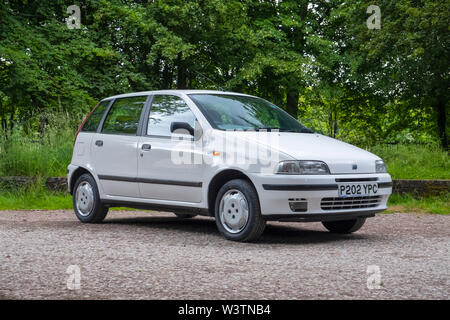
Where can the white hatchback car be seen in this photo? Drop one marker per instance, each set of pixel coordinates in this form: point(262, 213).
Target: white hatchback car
point(236, 157)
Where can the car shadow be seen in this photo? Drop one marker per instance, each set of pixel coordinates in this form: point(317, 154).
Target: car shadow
point(205, 226)
point(275, 233)
point(300, 234)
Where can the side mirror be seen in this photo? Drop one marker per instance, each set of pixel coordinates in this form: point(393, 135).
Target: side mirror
point(181, 128)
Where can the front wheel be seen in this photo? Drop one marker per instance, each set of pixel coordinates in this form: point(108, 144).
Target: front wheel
point(238, 213)
point(86, 200)
point(344, 226)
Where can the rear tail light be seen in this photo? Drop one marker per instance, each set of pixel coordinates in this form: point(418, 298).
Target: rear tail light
point(84, 121)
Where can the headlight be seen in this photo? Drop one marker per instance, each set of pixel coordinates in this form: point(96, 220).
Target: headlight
point(302, 167)
point(380, 167)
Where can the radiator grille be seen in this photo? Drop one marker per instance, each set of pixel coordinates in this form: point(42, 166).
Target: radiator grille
point(350, 203)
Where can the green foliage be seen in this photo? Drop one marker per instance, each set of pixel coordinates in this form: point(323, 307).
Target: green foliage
point(414, 161)
point(47, 154)
point(406, 61)
point(318, 60)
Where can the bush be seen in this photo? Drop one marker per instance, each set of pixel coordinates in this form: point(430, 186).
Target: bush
point(39, 154)
point(414, 161)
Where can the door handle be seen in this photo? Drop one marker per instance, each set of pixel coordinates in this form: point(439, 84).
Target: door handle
point(146, 147)
point(99, 143)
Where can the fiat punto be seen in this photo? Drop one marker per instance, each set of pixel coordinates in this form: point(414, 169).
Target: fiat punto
point(235, 157)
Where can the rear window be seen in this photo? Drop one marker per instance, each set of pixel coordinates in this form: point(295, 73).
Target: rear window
point(93, 121)
point(123, 118)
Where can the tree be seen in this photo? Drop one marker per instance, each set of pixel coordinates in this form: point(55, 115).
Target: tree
point(305, 56)
point(407, 59)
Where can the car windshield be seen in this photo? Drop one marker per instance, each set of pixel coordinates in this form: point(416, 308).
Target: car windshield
point(236, 112)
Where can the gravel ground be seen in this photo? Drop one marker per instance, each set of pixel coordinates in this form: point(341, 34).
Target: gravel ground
point(149, 255)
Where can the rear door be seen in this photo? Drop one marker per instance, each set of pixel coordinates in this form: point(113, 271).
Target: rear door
point(114, 147)
point(87, 132)
point(169, 164)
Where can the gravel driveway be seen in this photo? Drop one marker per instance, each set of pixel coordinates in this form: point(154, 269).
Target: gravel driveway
point(150, 255)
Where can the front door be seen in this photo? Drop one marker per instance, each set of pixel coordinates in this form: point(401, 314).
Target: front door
point(169, 167)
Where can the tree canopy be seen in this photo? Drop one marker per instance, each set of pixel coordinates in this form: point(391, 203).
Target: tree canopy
point(316, 59)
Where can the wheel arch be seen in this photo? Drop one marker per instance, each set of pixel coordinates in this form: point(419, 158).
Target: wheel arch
point(75, 175)
point(219, 180)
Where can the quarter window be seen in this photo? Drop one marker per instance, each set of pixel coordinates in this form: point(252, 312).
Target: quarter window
point(93, 121)
point(165, 110)
point(123, 118)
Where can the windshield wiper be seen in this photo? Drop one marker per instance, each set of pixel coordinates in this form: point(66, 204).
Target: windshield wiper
point(267, 128)
point(305, 130)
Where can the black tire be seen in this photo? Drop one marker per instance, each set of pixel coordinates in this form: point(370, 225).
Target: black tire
point(184, 215)
point(344, 226)
point(255, 223)
point(98, 211)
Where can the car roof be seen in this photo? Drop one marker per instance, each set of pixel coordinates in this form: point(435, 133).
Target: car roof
point(142, 93)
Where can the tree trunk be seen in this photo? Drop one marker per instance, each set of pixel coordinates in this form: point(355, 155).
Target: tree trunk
point(5, 127)
point(60, 104)
point(167, 77)
point(296, 36)
point(442, 122)
point(4, 124)
point(189, 80)
point(330, 124)
point(11, 121)
point(335, 123)
point(181, 80)
point(292, 102)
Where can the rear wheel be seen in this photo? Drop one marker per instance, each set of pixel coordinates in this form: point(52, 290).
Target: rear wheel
point(86, 200)
point(237, 211)
point(344, 226)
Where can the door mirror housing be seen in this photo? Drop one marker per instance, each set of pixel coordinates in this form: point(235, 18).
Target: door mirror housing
point(181, 128)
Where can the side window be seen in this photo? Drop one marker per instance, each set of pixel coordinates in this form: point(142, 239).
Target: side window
point(165, 110)
point(92, 122)
point(123, 118)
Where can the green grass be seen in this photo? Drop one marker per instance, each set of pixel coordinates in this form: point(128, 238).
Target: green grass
point(414, 161)
point(45, 155)
point(407, 203)
point(34, 200)
point(39, 198)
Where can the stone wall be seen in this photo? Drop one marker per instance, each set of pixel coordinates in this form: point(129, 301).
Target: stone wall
point(415, 187)
point(57, 184)
point(421, 187)
point(53, 183)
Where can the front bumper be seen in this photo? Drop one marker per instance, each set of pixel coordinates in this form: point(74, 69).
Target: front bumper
point(277, 193)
